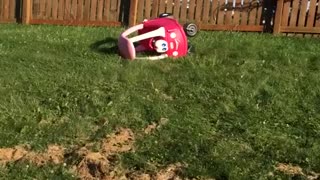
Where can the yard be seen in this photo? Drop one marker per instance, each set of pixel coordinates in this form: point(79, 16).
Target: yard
point(244, 106)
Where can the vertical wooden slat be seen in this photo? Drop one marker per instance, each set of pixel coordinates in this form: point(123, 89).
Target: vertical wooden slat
point(133, 12)
point(80, 10)
point(5, 9)
point(55, 4)
point(140, 12)
point(100, 10)
point(162, 7)
point(303, 13)
point(49, 9)
point(114, 10)
point(286, 13)
point(312, 12)
point(245, 12)
point(278, 17)
point(253, 13)
point(206, 9)
point(67, 10)
point(42, 12)
point(93, 10)
point(12, 10)
point(199, 7)
point(147, 10)
point(169, 6)
point(1, 9)
point(155, 8)
point(237, 12)
point(73, 11)
point(106, 10)
point(294, 13)
point(259, 13)
point(27, 11)
point(61, 9)
point(228, 16)
point(221, 13)
point(86, 9)
point(317, 24)
point(176, 9)
point(183, 13)
point(214, 11)
point(191, 9)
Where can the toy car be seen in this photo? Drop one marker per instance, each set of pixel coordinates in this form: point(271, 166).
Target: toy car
point(163, 35)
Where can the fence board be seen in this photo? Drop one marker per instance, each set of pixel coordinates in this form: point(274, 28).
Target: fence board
point(312, 12)
point(259, 13)
point(6, 9)
point(147, 10)
point(191, 10)
point(253, 12)
point(176, 9)
point(214, 11)
point(48, 13)
point(155, 8)
point(67, 10)
point(237, 12)
point(140, 10)
point(61, 9)
point(294, 12)
point(55, 9)
point(114, 10)
point(162, 7)
point(12, 10)
point(86, 9)
point(228, 13)
point(42, 9)
point(74, 9)
point(286, 13)
point(199, 7)
point(106, 10)
point(221, 12)
point(245, 12)
point(206, 10)
point(183, 12)
point(93, 10)
point(303, 13)
point(169, 6)
point(100, 10)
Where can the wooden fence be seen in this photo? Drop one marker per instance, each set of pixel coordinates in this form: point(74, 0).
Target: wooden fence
point(242, 15)
point(291, 16)
point(7, 11)
point(73, 12)
point(298, 16)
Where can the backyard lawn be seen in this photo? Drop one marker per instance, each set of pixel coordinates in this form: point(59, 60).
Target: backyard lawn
point(243, 106)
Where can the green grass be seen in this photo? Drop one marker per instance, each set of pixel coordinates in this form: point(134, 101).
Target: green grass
point(239, 105)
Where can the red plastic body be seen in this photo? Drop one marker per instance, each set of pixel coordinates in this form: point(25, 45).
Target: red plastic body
point(174, 36)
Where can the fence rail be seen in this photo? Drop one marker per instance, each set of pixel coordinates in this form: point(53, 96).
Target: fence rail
point(285, 16)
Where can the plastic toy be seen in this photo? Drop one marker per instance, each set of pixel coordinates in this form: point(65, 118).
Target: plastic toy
point(163, 35)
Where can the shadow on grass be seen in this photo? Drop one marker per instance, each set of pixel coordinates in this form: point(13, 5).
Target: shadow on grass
point(106, 46)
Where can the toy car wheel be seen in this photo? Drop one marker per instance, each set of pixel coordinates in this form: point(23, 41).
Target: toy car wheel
point(165, 15)
point(191, 29)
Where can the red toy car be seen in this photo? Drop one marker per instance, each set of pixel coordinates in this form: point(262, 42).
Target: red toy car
point(163, 35)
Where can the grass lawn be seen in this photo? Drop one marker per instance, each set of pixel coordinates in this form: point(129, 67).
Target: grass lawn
point(244, 106)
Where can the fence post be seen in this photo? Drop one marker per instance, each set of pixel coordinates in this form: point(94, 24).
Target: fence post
point(26, 11)
point(133, 12)
point(278, 16)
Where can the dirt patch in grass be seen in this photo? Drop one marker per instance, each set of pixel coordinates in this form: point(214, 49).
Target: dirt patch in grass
point(54, 154)
point(292, 170)
point(102, 164)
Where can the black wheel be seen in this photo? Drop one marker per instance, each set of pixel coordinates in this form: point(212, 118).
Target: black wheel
point(163, 15)
point(190, 29)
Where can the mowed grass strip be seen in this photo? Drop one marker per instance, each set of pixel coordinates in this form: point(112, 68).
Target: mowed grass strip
point(236, 108)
